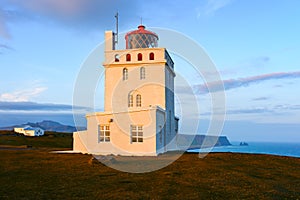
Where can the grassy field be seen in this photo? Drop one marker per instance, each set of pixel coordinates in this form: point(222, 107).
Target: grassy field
point(34, 173)
point(49, 140)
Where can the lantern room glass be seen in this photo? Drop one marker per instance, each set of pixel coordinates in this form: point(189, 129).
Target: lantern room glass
point(141, 40)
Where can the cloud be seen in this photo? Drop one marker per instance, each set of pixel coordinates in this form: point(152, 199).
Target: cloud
point(4, 48)
point(22, 95)
point(80, 14)
point(241, 111)
point(53, 7)
point(270, 109)
point(260, 98)
point(212, 6)
point(243, 82)
point(12, 113)
point(264, 59)
point(4, 33)
point(257, 62)
point(250, 111)
point(275, 110)
point(287, 107)
point(3, 30)
point(6, 106)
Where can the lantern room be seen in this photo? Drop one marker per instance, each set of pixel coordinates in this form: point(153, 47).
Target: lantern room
point(141, 38)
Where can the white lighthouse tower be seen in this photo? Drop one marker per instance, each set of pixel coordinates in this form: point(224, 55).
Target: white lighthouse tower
point(138, 117)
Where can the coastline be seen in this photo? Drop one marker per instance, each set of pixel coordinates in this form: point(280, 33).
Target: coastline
point(269, 148)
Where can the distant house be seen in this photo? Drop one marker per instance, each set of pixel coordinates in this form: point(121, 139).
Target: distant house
point(29, 131)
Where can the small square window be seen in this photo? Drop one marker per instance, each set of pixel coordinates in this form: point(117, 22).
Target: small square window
point(136, 133)
point(104, 133)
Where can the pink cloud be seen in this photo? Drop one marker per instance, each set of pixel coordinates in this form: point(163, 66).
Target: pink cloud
point(83, 15)
point(4, 33)
point(61, 7)
point(73, 8)
point(243, 82)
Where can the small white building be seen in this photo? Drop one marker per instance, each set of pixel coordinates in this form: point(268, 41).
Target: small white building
point(29, 131)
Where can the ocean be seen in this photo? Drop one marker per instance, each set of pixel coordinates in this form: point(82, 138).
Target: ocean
point(280, 149)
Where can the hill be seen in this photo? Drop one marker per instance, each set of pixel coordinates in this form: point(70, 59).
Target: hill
point(47, 125)
point(36, 174)
point(30, 171)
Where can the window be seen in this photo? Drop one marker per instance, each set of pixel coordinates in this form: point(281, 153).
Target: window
point(128, 57)
point(151, 56)
point(130, 100)
point(136, 133)
point(117, 58)
point(138, 100)
point(140, 57)
point(142, 73)
point(125, 74)
point(104, 133)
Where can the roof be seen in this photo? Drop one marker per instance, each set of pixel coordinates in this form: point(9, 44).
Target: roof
point(29, 128)
point(141, 30)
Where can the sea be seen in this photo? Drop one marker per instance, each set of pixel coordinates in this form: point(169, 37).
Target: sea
point(272, 148)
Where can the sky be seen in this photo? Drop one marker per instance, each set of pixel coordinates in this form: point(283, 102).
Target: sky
point(254, 45)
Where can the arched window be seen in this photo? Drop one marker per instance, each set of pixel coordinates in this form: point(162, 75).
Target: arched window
point(117, 58)
point(128, 57)
point(130, 100)
point(151, 56)
point(125, 74)
point(142, 73)
point(140, 57)
point(138, 100)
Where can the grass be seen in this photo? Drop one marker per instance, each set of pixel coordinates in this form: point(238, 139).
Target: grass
point(37, 174)
point(49, 140)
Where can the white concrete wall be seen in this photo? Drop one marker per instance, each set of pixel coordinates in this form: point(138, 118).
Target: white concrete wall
point(19, 130)
point(120, 143)
point(80, 141)
point(152, 88)
point(109, 41)
point(29, 133)
point(156, 112)
point(170, 109)
point(160, 131)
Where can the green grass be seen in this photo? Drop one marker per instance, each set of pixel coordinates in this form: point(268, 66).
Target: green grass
point(49, 140)
point(37, 174)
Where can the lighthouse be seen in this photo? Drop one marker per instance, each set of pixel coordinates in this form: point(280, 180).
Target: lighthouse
point(138, 117)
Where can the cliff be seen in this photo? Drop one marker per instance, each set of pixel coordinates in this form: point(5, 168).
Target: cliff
point(185, 141)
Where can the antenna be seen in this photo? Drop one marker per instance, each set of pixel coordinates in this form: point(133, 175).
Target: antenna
point(117, 28)
point(141, 21)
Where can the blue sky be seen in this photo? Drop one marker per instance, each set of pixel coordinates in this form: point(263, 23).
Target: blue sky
point(254, 44)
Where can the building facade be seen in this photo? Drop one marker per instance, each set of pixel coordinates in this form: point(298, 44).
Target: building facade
point(29, 131)
point(138, 117)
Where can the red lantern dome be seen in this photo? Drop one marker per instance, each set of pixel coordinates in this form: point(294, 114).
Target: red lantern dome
point(141, 38)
